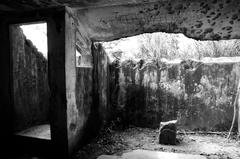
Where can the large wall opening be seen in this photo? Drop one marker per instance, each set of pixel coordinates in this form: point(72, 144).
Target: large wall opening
point(163, 77)
point(31, 93)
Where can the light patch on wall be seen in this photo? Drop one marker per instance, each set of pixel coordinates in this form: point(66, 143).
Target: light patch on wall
point(83, 59)
point(37, 33)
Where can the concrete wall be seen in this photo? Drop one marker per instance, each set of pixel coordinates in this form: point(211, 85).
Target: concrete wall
point(72, 92)
point(69, 119)
point(5, 89)
point(86, 86)
point(30, 82)
point(55, 18)
point(101, 81)
point(200, 95)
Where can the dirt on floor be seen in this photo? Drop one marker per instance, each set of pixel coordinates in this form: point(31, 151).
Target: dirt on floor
point(211, 145)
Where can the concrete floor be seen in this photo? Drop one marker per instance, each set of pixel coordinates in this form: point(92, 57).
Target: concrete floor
point(39, 131)
point(32, 143)
point(146, 154)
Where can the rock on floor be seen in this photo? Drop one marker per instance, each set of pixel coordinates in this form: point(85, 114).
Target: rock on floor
point(168, 133)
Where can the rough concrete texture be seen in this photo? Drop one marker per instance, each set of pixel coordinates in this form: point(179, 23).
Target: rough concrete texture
point(79, 86)
point(108, 20)
point(200, 95)
point(91, 98)
point(86, 87)
point(30, 83)
point(98, 110)
point(74, 120)
point(101, 82)
point(31, 4)
point(214, 19)
point(146, 154)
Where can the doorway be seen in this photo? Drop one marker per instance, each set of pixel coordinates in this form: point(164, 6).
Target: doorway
point(31, 93)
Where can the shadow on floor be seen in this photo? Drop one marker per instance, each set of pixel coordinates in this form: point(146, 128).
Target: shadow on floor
point(23, 147)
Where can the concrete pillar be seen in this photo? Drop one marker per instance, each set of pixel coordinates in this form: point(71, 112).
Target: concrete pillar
point(5, 88)
point(55, 19)
point(57, 82)
point(70, 65)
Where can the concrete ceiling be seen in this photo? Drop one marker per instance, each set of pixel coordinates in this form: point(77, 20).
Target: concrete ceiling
point(8, 5)
point(198, 19)
point(106, 20)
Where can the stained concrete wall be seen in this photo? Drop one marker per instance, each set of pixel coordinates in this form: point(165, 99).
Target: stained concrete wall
point(200, 95)
point(78, 81)
point(101, 81)
point(30, 82)
point(86, 87)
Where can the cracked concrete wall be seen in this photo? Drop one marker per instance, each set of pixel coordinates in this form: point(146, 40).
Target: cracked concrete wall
point(30, 83)
point(204, 20)
point(199, 95)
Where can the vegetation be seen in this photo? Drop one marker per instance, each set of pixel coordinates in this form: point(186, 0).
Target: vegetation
point(170, 46)
point(173, 46)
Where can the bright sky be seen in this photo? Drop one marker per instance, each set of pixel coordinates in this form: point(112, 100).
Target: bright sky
point(131, 45)
point(37, 33)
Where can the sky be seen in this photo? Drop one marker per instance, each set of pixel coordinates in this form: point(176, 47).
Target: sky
point(37, 33)
point(131, 45)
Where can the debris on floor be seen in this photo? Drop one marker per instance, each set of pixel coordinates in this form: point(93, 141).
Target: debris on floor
point(209, 145)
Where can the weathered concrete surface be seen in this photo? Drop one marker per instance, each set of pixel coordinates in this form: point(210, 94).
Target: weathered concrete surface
point(73, 118)
point(79, 85)
point(57, 77)
point(101, 81)
point(30, 82)
point(31, 4)
point(72, 93)
point(199, 95)
point(55, 19)
point(99, 108)
point(215, 19)
point(86, 87)
point(145, 154)
point(108, 20)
